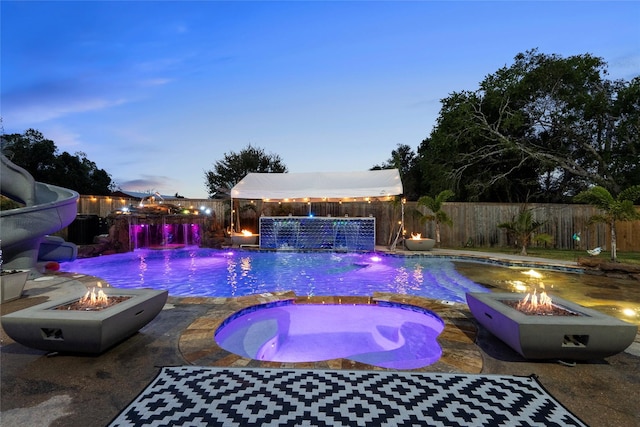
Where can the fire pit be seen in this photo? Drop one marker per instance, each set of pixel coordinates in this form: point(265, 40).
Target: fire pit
point(244, 238)
point(419, 243)
point(90, 324)
point(557, 329)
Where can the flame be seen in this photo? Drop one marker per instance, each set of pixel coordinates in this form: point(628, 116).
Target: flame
point(416, 236)
point(246, 233)
point(93, 299)
point(535, 303)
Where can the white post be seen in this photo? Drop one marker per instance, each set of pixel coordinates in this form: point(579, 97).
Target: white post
point(231, 224)
point(403, 201)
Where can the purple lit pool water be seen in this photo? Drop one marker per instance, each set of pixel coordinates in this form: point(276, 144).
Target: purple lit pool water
point(221, 273)
point(395, 336)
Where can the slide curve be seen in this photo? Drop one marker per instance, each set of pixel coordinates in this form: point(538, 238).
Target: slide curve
point(48, 208)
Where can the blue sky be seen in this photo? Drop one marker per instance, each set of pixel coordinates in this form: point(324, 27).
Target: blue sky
point(156, 92)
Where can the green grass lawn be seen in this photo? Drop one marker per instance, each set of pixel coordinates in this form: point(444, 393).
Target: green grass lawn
point(560, 254)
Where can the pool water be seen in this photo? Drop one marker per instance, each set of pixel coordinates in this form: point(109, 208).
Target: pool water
point(394, 336)
point(206, 272)
point(201, 272)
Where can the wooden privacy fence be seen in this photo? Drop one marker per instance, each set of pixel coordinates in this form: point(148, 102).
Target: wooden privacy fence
point(474, 224)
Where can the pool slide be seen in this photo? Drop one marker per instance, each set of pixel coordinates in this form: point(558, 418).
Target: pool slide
point(47, 209)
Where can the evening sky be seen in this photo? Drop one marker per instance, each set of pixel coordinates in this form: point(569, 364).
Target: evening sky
point(156, 92)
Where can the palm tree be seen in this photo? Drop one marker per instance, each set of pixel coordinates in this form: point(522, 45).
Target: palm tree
point(523, 227)
point(619, 209)
point(437, 214)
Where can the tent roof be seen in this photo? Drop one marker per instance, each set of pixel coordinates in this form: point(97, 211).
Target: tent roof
point(319, 185)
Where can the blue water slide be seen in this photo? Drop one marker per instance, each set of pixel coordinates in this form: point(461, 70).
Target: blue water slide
point(47, 209)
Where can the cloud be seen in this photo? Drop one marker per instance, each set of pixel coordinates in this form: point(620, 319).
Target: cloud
point(27, 112)
point(51, 99)
point(158, 81)
point(424, 103)
point(64, 138)
point(625, 66)
point(181, 28)
point(147, 183)
point(137, 140)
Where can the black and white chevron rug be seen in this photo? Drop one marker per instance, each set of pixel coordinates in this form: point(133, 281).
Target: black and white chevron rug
point(206, 396)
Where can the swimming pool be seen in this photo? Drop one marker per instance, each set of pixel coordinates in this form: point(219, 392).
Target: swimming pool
point(206, 272)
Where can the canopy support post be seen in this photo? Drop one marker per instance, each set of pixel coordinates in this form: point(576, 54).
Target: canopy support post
point(231, 223)
point(401, 229)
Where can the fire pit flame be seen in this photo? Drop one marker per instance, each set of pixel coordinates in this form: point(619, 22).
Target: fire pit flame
point(535, 304)
point(416, 236)
point(94, 300)
point(246, 233)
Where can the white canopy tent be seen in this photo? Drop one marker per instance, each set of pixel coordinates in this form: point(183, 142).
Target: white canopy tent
point(319, 186)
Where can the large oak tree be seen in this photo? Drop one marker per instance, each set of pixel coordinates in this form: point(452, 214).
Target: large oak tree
point(543, 129)
point(40, 157)
point(234, 166)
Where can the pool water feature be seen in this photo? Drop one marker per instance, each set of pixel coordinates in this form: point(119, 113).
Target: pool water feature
point(201, 272)
point(384, 334)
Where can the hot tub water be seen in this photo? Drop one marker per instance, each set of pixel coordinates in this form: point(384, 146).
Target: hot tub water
point(396, 336)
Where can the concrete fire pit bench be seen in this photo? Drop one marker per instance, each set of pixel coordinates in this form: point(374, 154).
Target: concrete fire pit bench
point(585, 335)
point(47, 327)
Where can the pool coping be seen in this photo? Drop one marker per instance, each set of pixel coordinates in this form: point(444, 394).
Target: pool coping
point(460, 354)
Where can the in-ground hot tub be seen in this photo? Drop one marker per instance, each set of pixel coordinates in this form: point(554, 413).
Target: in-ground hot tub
point(582, 334)
point(385, 334)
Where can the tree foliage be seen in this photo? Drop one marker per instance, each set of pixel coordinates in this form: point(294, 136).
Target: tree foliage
point(233, 167)
point(403, 158)
point(540, 130)
point(40, 157)
point(523, 228)
point(434, 204)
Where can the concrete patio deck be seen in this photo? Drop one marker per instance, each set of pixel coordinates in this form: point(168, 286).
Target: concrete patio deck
point(38, 389)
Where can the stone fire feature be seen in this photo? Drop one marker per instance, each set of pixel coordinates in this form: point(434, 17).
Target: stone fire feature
point(589, 335)
point(78, 331)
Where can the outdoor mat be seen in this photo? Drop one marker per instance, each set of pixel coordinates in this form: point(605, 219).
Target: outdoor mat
point(207, 396)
